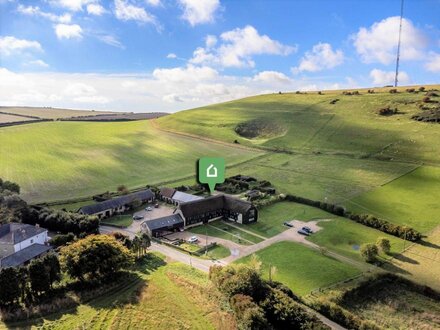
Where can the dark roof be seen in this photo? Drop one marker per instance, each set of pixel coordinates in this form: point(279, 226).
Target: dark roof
point(24, 255)
point(167, 192)
point(164, 222)
point(182, 197)
point(13, 233)
point(117, 202)
point(214, 203)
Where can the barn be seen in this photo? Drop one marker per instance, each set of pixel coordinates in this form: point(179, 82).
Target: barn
point(116, 205)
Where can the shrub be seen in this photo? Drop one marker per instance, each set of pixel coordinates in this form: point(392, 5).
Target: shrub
point(387, 111)
point(410, 90)
point(393, 91)
point(96, 256)
point(369, 252)
point(426, 99)
point(61, 239)
point(421, 89)
point(383, 244)
point(123, 189)
point(248, 313)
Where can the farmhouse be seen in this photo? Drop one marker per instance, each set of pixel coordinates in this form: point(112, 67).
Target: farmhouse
point(176, 197)
point(196, 212)
point(20, 243)
point(117, 205)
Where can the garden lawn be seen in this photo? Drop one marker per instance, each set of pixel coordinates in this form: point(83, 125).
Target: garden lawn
point(122, 220)
point(271, 218)
point(217, 252)
point(412, 200)
point(302, 269)
point(214, 231)
point(64, 160)
point(345, 236)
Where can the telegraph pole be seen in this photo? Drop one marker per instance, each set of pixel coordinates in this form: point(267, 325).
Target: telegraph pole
point(396, 77)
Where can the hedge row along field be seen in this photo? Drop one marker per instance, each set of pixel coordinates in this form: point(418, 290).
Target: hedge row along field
point(369, 220)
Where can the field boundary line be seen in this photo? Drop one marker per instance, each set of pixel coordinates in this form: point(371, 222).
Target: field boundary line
point(202, 138)
point(224, 231)
point(245, 230)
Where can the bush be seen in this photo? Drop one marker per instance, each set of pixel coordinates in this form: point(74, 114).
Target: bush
point(62, 239)
point(94, 257)
point(393, 91)
point(64, 222)
point(249, 314)
point(8, 185)
point(384, 245)
point(421, 89)
point(387, 111)
point(410, 90)
point(369, 252)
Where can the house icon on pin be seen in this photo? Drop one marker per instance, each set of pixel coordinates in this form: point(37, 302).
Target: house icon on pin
point(211, 171)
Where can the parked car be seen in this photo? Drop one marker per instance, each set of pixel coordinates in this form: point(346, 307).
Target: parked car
point(137, 217)
point(175, 242)
point(149, 208)
point(287, 224)
point(303, 232)
point(307, 229)
point(193, 239)
point(156, 205)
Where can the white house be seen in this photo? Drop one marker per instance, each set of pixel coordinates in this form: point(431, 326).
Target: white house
point(19, 243)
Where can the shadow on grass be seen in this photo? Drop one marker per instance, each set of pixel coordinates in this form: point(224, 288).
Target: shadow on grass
point(149, 263)
point(429, 244)
point(404, 258)
point(393, 268)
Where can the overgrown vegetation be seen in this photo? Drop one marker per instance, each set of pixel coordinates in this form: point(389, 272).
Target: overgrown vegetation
point(260, 304)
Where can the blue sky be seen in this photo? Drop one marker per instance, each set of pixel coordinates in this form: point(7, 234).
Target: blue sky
point(168, 55)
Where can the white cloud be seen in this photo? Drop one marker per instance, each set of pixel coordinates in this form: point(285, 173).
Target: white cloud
point(379, 42)
point(169, 89)
point(171, 55)
point(39, 63)
point(271, 77)
point(72, 5)
point(127, 12)
point(433, 63)
point(380, 77)
point(210, 41)
point(95, 9)
point(237, 48)
point(36, 11)
point(199, 11)
point(10, 45)
point(66, 31)
point(185, 74)
point(154, 3)
point(321, 57)
point(111, 40)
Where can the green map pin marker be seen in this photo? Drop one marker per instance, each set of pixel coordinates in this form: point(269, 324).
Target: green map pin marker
point(211, 171)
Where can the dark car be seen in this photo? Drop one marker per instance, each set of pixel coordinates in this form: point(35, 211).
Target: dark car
point(137, 217)
point(156, 205)
point(287, 224)
point(303, 232)
point(307, 229)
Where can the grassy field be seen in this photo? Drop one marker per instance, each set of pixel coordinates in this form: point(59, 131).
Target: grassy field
point(271, 218)
point(411, 200)
point(222, 230)
point(50, 113)
point(310, 124)
point(122, 220)
point(344, 237)
point(59, 160)
point(421, 263)
point(173, 296)
point(394, 305)
point(4, 118)
point(301, 268)
point(217, 252)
